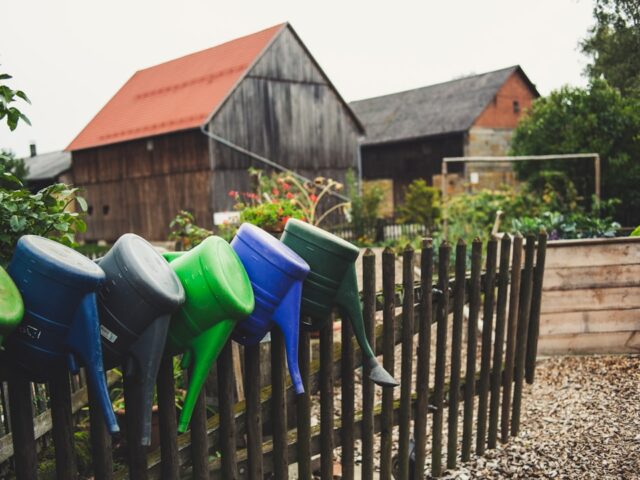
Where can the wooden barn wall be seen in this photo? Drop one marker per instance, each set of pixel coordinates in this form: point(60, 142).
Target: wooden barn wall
point(591, 297)
point(405, 161)
point(134, 188)
point(286, 111)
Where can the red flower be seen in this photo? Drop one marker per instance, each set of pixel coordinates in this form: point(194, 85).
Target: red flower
point(313, 198)
point(233, 193)
point(289, 195)
point(275, 191)
point(286, 186)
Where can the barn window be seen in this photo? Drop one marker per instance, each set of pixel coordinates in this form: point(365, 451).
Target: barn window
point(105, 209)
point(90, 210)
point(516, 106)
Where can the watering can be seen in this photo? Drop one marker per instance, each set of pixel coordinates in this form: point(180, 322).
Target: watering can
point(276, 273)
point(332, 282)
point(135, 304)
point(218, 295)
point(11, 306)
point(60, 326)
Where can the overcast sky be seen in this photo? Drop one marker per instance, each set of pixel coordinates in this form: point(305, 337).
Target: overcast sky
point(70, 57)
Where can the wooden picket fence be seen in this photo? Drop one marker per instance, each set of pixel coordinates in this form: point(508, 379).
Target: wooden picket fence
point(265, 434)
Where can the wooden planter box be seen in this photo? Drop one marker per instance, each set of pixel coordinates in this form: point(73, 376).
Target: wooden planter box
point(591, 297)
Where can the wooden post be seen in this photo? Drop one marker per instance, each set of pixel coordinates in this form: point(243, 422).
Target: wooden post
point(279, 405)
point(441, 350)
point(521, 332)
point(326, 401)
point(254, 412)
point(303, 409)
point(496, 372)
point(512, 319)
point(423, 356)
point(388, 360)
point(485, 362)
point(226, 390)
point(168, 421)
point(101, 445)
point(62, 428)
point(456, 346)
point(368, 387)
point(406, 363)
point(536, 299)
point(137, 454)
point(347, 435)
point(24, 443)
point(470, 374)
point(199, 439)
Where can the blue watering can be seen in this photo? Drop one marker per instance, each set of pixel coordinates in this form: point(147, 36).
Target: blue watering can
point(135, 302)
point(60, 325)
point(276, 273)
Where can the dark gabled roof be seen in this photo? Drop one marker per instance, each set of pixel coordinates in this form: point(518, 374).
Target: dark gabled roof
point(47, 166)
point(433, 110)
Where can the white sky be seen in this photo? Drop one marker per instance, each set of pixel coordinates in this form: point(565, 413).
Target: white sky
point(71, 56)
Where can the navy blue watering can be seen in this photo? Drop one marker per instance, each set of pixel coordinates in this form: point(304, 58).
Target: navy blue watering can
point(60, 325)
point(135, 302)
point(276, 273)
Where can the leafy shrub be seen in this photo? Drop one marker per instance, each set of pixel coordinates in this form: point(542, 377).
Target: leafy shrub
point(365, 207)
point(421, 204)
point(185, 232)
point(14, 166)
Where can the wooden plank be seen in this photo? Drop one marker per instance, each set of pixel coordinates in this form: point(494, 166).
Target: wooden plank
point(498, 344)
point(136, 453)
point(63, 425)
point(485, 358)
point(590, 299)
point(388, 360)
point(279, 404)
point(24, 443)
point(326, 401)
point(425, 313)
point(254, 413)
point(590, 343)
point(594, 253)
point(406, 364)
point(101, 444)
point(475, 288)
point(198, 435)
point(591, 277)
point(456, 347)
point(168, 421)
point(368, 387)
point(599, 321)
point(347, 437)
point(226, 397)
point(303, 409)
point(441, 349)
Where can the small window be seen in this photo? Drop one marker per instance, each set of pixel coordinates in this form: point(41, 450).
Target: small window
point(516, 106)
point(105, 209)
point(90, 210)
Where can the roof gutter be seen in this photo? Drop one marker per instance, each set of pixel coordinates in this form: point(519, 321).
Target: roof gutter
point(260, 158)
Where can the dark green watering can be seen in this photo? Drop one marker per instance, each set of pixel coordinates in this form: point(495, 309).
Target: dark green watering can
point(218, 295)
point(332, 282)
point(11, 306)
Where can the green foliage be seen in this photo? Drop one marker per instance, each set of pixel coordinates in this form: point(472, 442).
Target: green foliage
point(554, 189)
point(14, 166)
point(185, 232)
point(596, 119)
point(271, 216)
point(8, 96)
point(421, 204)
point(636, 232)
point(570, 226)
point(613, 44)
point(364, 208)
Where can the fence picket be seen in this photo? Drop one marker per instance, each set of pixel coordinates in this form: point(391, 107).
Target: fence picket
point(501, 312)
point(199, 439)
point(534, 321)
point(441, 346)
point(62, 426)
point(137, 454)
point(303, 409)
point(326, 401)
point(254, 412)
point(24, 442)
point(472, 341)
point(347, 367)
point(368, 387)
point(278, 405)
point(388, 360)
point(167, 419)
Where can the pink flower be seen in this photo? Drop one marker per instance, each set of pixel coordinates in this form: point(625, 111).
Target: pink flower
point(313, 198)
point(275, 191)
point(289, 195)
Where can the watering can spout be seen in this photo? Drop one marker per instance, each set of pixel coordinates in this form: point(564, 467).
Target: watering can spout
point(290, 309)
point(144, 363)
point(349, 303)
point(203, 351)
point(85, 343)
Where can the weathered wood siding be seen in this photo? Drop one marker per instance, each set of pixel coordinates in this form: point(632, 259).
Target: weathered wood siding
point(591, 297)
point(139, 186)
point(286, 111)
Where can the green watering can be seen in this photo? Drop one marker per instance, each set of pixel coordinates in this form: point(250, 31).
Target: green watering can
point(11, 306)
point(332, 282)
point(218, 295)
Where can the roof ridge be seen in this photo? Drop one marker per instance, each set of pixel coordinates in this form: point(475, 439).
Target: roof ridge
point(466, 77)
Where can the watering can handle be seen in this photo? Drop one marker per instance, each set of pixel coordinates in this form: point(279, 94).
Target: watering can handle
point(84, 342)
point(348, 302)
point(202, 353)
point(144, 363)
point(287, 317)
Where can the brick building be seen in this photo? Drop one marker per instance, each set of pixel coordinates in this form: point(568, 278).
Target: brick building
point(408, 133)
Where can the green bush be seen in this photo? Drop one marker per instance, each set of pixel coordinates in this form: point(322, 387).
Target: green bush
point(421, 204)
point(185, 232)
point(365, 207)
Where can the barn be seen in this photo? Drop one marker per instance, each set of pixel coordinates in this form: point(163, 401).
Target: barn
point(181, 134)
point(408, 133)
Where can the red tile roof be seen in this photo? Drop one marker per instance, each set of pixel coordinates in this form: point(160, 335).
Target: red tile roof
point(176, 95)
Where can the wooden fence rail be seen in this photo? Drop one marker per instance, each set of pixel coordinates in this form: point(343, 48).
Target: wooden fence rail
point(474, 354)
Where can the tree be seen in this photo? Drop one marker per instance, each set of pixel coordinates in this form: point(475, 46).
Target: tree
point(364, 206)
point(15, 166)
point(595, 119)
point(421, 204)
point(613, 44)
point(8, 96)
